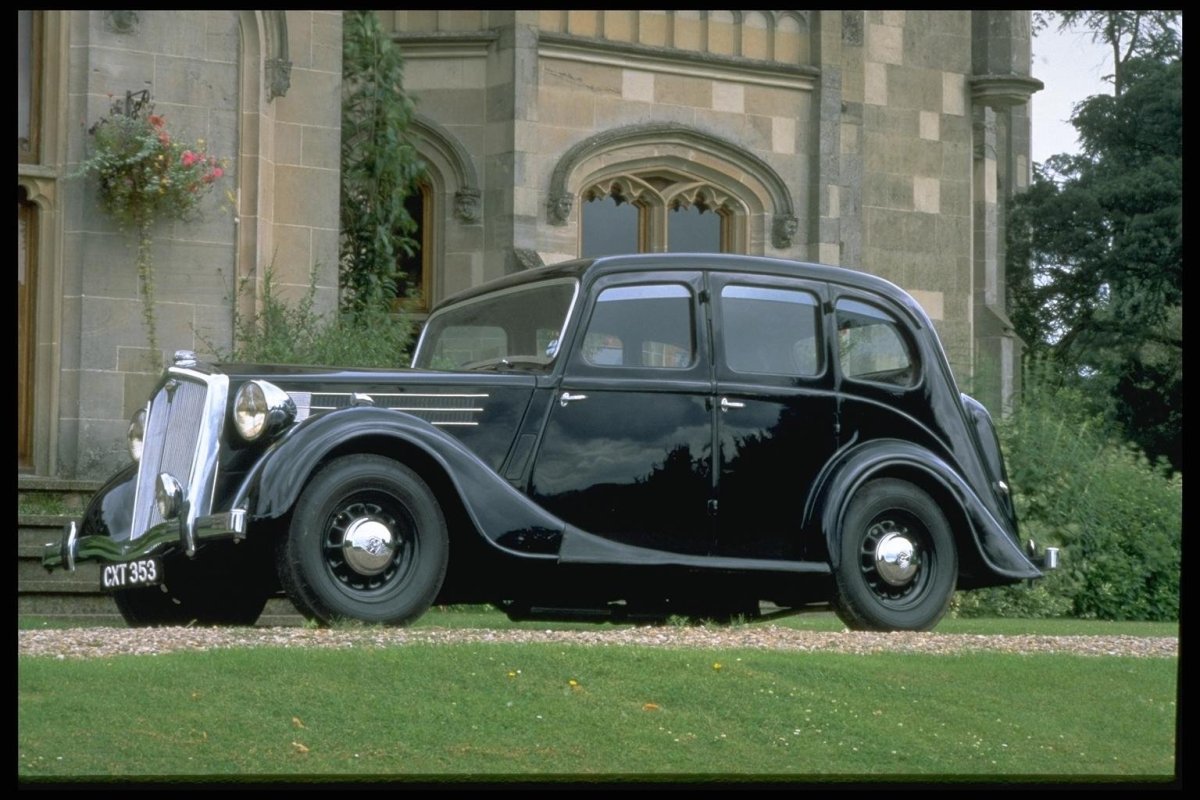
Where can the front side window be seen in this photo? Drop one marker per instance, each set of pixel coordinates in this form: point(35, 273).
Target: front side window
point(771, 331)
point(871, 346)
point(518, 328)
point(641, 326)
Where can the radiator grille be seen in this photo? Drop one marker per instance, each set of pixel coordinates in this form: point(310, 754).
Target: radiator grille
point(173, 429)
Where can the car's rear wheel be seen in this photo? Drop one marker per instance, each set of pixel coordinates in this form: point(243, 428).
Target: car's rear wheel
point(898, 564)
point(367, 542)
point(207, 591)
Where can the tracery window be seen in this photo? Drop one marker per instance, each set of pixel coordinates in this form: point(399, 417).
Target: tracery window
point(658, 212)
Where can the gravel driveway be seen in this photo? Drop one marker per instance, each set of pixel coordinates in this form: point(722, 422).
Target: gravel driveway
point(103, 642)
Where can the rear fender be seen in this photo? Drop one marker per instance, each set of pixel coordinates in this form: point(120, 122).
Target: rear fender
point(855, 466)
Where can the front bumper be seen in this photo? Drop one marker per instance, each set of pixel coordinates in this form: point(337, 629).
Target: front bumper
point(72, 548)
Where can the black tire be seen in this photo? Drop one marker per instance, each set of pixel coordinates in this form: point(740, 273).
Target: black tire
point(396, 569)
point(912, 590)
point(215, 589)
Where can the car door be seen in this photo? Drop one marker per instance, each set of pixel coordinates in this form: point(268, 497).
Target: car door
point(776, 425)
point(626, 453)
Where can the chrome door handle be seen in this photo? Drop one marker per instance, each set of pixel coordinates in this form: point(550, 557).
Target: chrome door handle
point(567, 397)
point(727, 404)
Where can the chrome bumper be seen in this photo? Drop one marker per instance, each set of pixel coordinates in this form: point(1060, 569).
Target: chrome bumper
point(1045, 560)
point(72, 548)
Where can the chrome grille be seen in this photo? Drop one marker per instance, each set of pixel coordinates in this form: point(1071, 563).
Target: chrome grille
point(175, 442)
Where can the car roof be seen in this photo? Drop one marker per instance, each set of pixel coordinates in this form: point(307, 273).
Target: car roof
point(588, 269)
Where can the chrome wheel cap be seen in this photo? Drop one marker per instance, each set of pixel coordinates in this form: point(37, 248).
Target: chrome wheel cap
point(368, 546)
point(896, 558)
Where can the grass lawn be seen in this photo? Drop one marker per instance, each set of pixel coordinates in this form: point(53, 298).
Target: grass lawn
point(499, 712)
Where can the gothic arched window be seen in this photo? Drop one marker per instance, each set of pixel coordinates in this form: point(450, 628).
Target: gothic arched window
point(659, 211)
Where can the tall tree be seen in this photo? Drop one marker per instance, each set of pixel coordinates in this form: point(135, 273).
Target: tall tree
point(380, 166)
point(1096, 250)
point(1129, 34)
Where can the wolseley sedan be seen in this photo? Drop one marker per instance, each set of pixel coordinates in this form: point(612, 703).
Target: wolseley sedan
point(624, 437)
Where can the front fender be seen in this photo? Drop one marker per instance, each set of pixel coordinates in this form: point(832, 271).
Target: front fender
point(859, 464)
point(110, 510)
point(507, 518)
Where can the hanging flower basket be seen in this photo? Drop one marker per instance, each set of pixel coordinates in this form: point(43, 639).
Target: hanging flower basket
point(145, 175)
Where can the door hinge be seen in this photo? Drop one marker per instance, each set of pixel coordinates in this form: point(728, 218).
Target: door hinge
point(712, 508)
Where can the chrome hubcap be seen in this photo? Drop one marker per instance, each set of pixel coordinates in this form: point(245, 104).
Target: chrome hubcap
point(895, 555)
point(368, 546)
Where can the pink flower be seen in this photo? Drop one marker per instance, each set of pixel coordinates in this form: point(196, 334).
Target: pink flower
point(217, 172)
point(156, 120)
point(189, 158)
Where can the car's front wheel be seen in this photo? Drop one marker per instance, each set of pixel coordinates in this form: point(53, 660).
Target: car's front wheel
point(898, 565)
point(367, 542)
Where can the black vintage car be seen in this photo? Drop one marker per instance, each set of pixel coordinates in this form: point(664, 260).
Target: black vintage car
point(624, 437)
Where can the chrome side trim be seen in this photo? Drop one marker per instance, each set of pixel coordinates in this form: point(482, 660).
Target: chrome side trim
point(398, 401)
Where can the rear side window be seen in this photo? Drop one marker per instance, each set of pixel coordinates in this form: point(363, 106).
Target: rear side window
point(771, 331)
point(642, 326)
point(871, 346)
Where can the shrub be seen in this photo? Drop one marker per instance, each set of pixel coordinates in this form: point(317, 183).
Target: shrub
point(283, 333)
point(1117, 517)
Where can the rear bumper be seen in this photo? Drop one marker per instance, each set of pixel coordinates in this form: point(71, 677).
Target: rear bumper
point(1045, 560)
point(71, 548)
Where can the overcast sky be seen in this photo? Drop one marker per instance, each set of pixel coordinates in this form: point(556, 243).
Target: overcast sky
point(1071, 66)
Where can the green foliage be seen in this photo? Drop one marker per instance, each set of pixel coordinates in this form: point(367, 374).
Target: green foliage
point(1117, 518)
point(144, 175)
point(283, 333)
point(1044, 600)
point(1096, 257)
point(379, 165)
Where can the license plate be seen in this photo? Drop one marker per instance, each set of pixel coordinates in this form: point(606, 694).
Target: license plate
point(131, 574)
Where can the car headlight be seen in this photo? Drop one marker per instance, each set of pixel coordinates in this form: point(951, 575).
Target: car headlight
point(261, 408)
point(137, 434)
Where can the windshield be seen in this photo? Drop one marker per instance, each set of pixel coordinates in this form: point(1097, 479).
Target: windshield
point(516, 328)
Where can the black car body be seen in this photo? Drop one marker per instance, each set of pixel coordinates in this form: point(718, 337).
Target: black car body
point(633, 435)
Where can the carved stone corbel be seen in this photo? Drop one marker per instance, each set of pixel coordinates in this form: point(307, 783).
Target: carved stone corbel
point(466, 204)
point(783, 230)
point(558, 208)
point(279, 77)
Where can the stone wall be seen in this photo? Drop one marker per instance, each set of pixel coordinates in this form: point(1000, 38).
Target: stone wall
point(216, 76)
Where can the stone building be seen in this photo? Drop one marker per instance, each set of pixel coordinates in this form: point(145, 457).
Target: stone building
point(887, 141)
point(263, 89)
